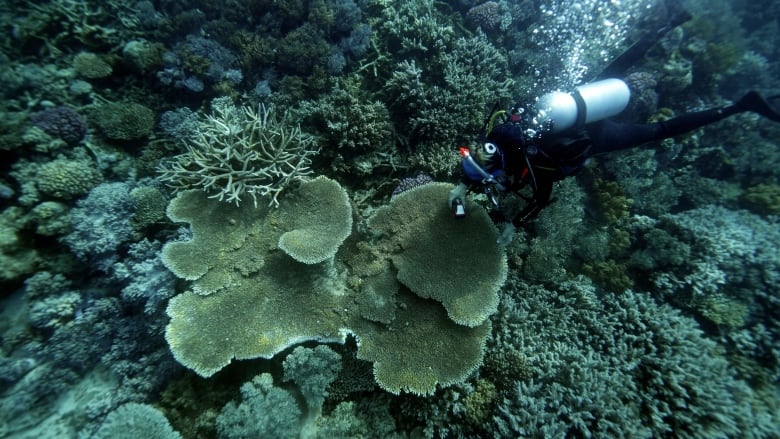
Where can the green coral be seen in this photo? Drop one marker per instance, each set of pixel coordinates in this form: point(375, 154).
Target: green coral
point(123, 120)
point(67, 179)
point(150, 206)
point(763, 198)
point(302, 49)
point(612, 202)
point(480, 403)
point(609, 274)
point(51, 218)
point(421, 347)
point(91, 66)
point(143, 55)
point(724, 311)
point(350, 119)
point(320, 218)
point(426, 261)
point(255, 300)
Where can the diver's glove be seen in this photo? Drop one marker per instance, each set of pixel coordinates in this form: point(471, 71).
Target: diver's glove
point(507, 234)
point(456, 201)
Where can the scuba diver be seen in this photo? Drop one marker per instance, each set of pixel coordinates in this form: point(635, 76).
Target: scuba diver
point(538, 145)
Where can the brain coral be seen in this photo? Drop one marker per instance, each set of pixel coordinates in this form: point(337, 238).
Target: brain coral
point(251, 299)
point(124, 120)
point(63, 178)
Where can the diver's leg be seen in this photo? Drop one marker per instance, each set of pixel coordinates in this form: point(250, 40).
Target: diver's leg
point(612, 136)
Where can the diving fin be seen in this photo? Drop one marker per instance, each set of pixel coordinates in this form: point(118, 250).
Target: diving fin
point(767, 107)
point(677, 16)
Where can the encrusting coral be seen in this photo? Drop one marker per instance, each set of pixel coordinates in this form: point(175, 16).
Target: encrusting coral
point(250, 300)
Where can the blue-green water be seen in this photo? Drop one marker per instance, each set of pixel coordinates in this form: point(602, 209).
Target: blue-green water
point(229, 219)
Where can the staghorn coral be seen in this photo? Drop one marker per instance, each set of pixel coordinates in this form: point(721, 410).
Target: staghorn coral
point(256, 301)
point(239, 152)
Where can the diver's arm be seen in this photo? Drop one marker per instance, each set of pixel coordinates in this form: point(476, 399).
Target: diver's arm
point(540, 200)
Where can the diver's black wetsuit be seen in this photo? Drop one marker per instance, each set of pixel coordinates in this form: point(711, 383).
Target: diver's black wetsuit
point(565, 154)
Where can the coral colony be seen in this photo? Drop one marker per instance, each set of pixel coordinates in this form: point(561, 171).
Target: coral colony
point(228, 220)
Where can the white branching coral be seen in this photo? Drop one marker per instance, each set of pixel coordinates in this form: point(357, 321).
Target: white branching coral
point(238, 151)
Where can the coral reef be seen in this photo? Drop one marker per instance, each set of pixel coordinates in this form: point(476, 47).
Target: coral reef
point(640, 303)
point(265, 411)
point(91, 66)
point(763, 198)
point(67, 179)
point(419, 257)
point(586, 373)
point(320, 219)
point(110, 205)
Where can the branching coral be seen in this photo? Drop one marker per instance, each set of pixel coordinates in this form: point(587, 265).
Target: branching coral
point(238, 151)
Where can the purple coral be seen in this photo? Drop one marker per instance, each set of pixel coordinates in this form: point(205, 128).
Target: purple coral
point(411, 183)
point(487, 15)
point(644, 100)
point(62, 122)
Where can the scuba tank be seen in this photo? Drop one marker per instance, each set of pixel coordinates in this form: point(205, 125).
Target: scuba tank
point(588, 103)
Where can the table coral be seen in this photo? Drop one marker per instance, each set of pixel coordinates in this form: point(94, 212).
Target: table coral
point(321, 219)
point(250, 300)
point(437, 256)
